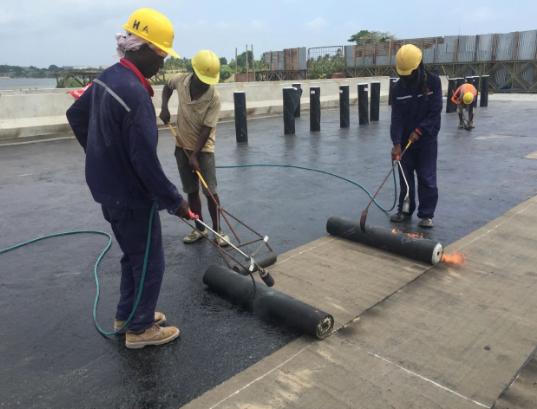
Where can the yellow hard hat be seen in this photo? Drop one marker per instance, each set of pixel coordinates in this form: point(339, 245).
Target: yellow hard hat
point(206, 65)
point(153, 27)
point(407, 59)
point(468, 98)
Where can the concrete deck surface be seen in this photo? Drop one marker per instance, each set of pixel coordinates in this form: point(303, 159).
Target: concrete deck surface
point(53, 357)
point(455, 337)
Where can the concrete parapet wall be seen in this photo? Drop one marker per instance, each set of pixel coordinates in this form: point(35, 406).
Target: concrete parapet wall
point(34, 114)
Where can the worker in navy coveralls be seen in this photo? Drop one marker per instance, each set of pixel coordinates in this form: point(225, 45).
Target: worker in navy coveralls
point(416, 109)
point(115, 122)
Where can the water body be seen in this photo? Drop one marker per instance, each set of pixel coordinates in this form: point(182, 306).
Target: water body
point(26, 83)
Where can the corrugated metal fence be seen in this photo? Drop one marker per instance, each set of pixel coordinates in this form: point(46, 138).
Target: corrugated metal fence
point(517, 46)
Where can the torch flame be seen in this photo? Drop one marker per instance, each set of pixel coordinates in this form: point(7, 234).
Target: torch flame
point(411, 235)
point(456, 258)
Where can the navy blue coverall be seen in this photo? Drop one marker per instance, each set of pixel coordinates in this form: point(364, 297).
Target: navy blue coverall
point(114, 120)
point(418, 109)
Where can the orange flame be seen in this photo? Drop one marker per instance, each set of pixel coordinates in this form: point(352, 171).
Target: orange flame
point(455, 259)
point(412, 235)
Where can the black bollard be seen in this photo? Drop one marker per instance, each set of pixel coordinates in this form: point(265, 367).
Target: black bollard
point(344, 114)
point(452, 86)
point(390, 89)
point(363, 109)
point(289, 96)
point(315, 109)
point(241, 129)
point(374, 106)
point(484, 99)
point(299, 91)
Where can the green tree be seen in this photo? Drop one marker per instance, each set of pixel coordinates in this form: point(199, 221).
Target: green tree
point(367, 37)
point(246, 56)
point(225, 72)
point(223, 61)
point(325, 66)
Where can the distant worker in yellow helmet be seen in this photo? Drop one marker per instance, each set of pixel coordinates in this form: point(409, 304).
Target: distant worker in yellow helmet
point(114, 120)
point(416, 110)
point(464, 98)
point(197, 116)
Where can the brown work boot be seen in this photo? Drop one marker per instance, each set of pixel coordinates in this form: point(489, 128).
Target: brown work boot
point(154, 335)
point(160, 319)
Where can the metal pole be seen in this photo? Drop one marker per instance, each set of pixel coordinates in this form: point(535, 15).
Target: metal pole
point(363, 109)
point(375, 101)
point(289, 111)
point(247, 70)
point(344, 114)
point(236, 64)
point(253, 60)
point(241, 129)
point(315, 109)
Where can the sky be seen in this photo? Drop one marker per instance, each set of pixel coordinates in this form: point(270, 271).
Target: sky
point(81, 32)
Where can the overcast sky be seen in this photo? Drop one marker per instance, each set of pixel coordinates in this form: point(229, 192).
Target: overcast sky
point(81, 32)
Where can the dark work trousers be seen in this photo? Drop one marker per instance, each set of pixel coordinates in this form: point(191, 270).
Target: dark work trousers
point(421, 159)
point(130, 228)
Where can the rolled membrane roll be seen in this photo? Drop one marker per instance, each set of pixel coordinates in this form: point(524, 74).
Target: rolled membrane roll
point(426, 250)
point(267, 303)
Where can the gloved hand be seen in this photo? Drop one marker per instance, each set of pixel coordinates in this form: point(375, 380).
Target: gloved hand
point(414, 137)
point(184, 211)
point(396, 152)
point(165, 115)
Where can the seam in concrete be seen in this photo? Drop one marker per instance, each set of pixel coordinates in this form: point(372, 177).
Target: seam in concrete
point(513, 214)
point(261, 377)
point(424, 378)
point(515, 377)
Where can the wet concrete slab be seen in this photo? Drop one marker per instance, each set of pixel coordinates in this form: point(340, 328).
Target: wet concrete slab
point(54, 357)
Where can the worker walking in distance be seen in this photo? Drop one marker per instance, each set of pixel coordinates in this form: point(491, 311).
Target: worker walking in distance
point(115, 122)
point(197, 116)
point(464, 97)
point(416, 110)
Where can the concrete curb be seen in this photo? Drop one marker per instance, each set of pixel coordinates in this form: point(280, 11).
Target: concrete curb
point(43, 129)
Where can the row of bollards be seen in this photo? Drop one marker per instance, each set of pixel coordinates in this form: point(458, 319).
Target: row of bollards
point(368, 105)
point(366, 110)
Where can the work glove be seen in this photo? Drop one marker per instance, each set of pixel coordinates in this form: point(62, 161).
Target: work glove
point(414, 137)
point(396, 152)
point(165, 115)
point(184, 211)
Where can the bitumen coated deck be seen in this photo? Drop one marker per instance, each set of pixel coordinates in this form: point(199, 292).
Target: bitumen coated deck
point(426, 337)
